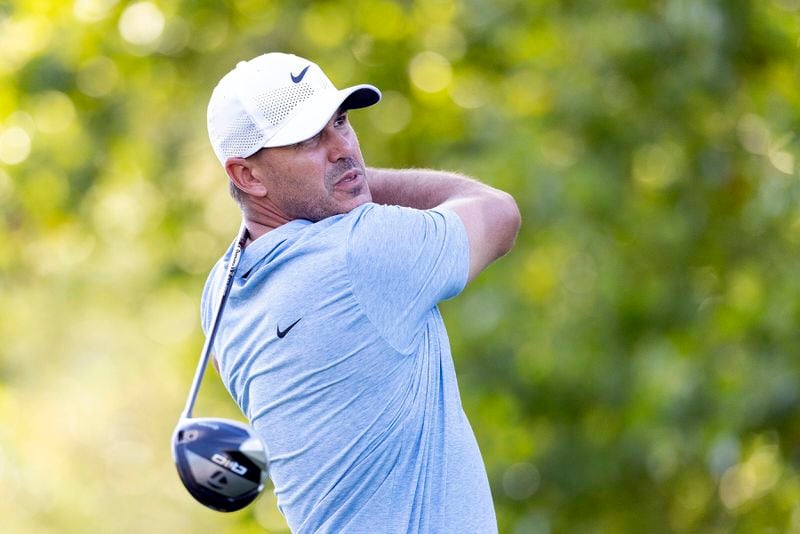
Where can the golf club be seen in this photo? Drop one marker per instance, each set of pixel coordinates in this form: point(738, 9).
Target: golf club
point(220, 461)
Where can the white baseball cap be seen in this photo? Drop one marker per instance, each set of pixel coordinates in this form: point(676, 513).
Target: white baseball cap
point(276, 100)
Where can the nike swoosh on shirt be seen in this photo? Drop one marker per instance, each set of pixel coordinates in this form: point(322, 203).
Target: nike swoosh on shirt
point(282, 333)
point(299, 77)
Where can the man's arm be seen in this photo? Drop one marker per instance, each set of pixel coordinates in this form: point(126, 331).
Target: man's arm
point(490, 216)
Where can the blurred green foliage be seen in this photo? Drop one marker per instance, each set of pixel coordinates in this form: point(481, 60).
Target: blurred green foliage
point(632, 366)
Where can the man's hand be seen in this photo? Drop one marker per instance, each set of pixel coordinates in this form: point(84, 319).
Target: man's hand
point(490, 216)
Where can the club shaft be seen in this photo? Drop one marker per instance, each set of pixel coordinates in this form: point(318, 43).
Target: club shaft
point(209, 343)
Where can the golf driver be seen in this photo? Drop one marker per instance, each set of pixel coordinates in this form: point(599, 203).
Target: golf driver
point(220, 461)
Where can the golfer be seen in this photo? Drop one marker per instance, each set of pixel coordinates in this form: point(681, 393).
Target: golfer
point(332, 343)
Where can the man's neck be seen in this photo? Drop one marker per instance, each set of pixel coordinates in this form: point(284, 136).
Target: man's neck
point(261, 216)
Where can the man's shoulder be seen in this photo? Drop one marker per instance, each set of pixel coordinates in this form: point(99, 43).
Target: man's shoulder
point(397, 222)
point(389, 214)
point(399, 233)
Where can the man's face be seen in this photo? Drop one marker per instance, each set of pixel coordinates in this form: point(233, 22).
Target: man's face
point(318, 178)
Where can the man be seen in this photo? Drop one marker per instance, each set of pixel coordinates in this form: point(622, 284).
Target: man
point(331, 342)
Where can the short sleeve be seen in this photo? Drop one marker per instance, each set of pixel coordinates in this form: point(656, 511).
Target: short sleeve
point(402, 262)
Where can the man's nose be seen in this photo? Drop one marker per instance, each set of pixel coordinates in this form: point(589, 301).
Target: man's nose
point(340, 145)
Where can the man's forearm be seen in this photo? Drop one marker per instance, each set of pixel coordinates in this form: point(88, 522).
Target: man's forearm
point(420, 188)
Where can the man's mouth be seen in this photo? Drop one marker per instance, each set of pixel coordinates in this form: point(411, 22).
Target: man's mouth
point(351, 181)
point(348, 177)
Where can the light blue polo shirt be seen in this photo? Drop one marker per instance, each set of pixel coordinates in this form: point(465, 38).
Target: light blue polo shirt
point(333, 347)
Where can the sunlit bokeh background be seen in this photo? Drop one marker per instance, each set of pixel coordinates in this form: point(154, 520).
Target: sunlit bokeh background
point(632, 366)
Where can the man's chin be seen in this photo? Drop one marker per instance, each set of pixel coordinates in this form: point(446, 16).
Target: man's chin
point(338, 208)
point(355, 199)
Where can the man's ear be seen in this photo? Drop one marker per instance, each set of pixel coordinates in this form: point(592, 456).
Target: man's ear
point(240, 171)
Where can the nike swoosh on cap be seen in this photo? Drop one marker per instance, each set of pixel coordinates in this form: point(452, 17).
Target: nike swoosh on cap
point(299, 77)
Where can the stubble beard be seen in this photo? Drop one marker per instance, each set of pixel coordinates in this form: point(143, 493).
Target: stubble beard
point(317, 209)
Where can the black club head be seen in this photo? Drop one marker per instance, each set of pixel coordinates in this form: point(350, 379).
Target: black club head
point(221, 462)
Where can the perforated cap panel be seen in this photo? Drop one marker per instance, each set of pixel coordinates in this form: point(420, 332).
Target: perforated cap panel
point(241, 138)
point(278, 104)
